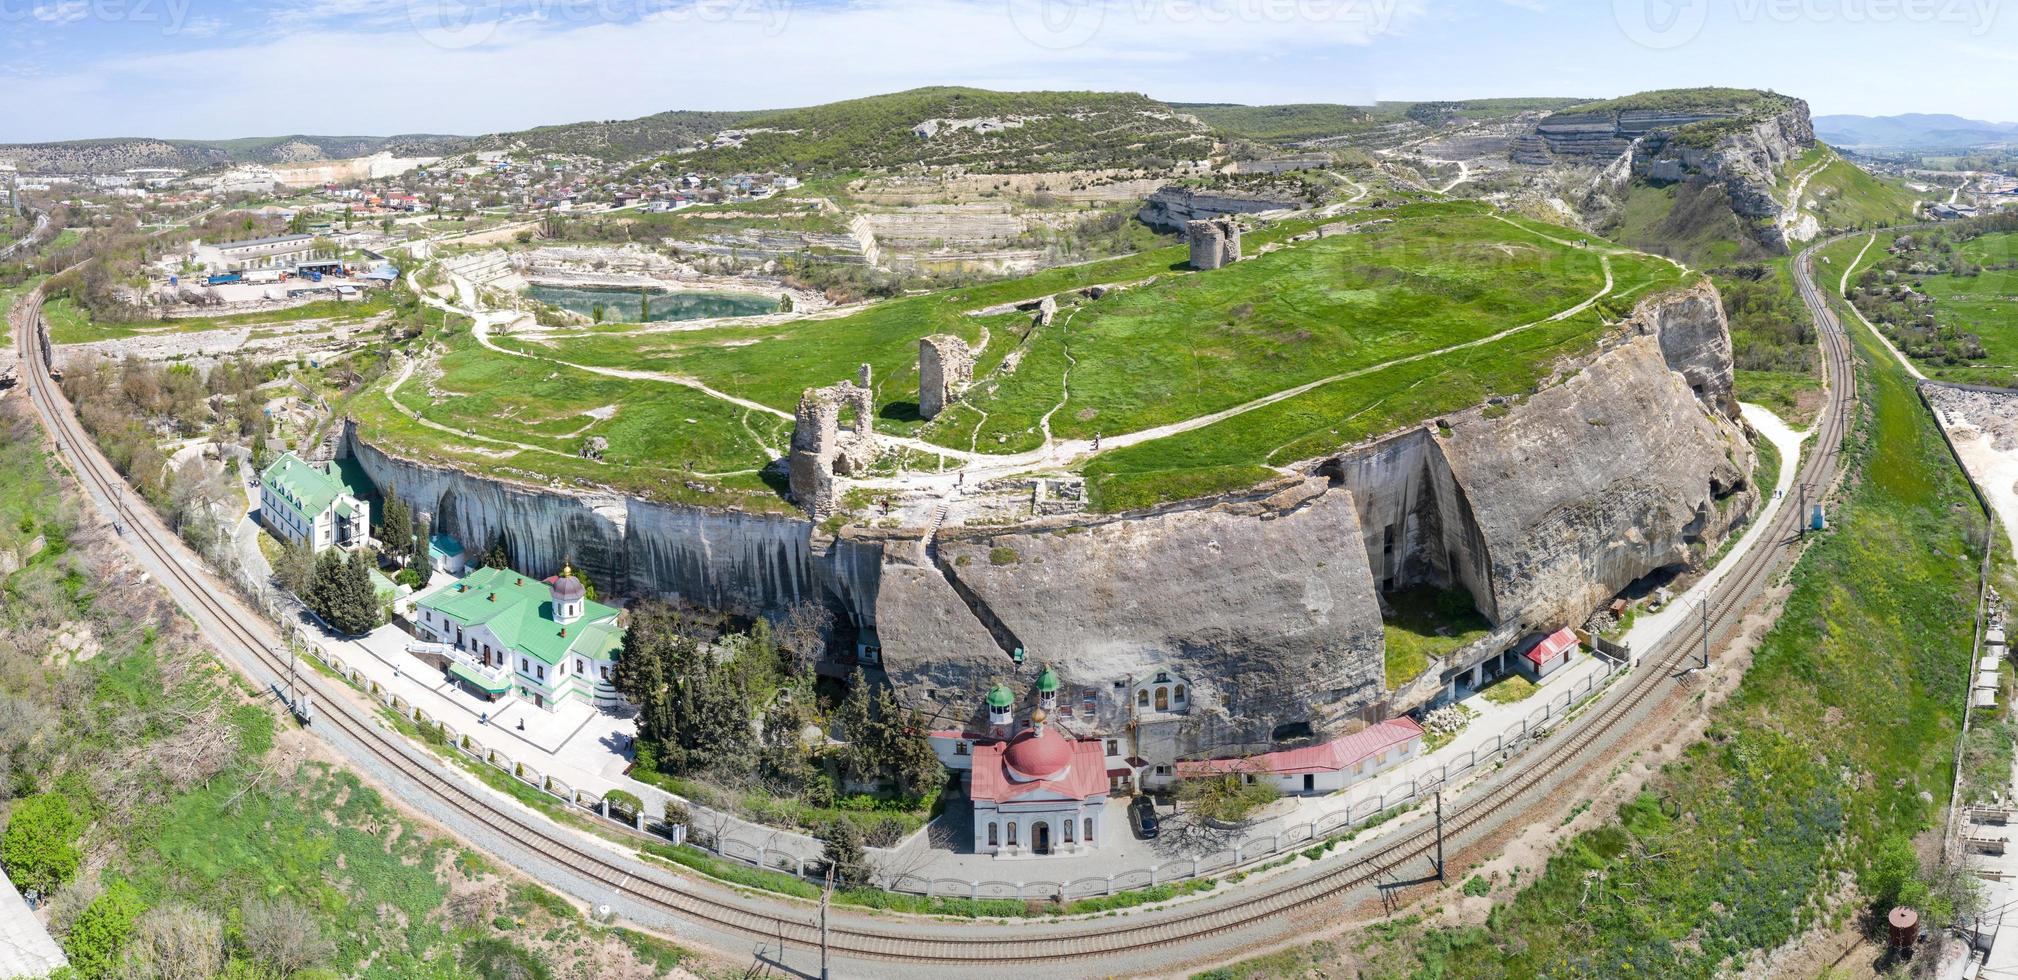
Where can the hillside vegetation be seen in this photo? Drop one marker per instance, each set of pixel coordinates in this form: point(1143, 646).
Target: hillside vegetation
point(119, 153)
point(1748, 839)
point(1043, 131)
point(1710, 100)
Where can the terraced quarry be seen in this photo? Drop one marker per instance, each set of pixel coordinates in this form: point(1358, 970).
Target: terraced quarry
point(1194, 382)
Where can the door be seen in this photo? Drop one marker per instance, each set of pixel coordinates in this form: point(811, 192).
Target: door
point(1309, 782)
point(1163, 699)
point(1040, 838)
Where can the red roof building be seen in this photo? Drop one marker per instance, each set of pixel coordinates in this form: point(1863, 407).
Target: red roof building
point(1323, 768)
point(1549, 654)
point(1038, 792)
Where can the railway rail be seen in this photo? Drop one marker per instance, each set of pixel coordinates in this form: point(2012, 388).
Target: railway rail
point(1168, 936)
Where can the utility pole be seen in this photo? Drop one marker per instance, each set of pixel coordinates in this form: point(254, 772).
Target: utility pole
point(826, 895)
point(1439, 835)
point(1706, 632)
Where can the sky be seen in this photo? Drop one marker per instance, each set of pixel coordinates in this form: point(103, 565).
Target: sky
point(211, 69)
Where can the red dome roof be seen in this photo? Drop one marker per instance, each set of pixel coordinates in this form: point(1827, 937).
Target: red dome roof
point(1040, 754)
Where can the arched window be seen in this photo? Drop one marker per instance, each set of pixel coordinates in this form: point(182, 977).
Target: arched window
point(1012, 833)
point(1068, 831)
point(991, 833)
point(1163, 699)
point(1089, 830)
point(1142, 698)
point(1178, 694)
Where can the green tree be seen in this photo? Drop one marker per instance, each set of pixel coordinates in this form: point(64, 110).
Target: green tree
point(693, 713)
point(914, 767)
point(423, 555)
point(843, 854)
point(396, 527)
point(39, 848)
point(341, 593)
point(294, 569)
point(496, 556)
point(101, 931)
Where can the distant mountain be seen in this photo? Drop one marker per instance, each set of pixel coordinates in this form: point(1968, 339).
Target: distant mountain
point(1010, 131)
point(120, 153)
point(1913, 131)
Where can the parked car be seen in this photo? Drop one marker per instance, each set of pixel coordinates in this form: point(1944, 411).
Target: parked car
point(1142, 817)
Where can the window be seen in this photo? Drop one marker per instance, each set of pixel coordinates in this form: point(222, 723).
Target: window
point(991, 833)
point(1067, 827)
point(578, 666)
point(959, 748)
point(1178, 694)
point(1012, 833)
point(542, 671)
point(1163, 770)
point(1142, 698)
point(606, 672)
point(1113, 746)
point(525, 666)
point(1089, 830)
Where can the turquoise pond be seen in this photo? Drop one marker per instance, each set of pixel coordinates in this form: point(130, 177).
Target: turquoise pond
point(625, 305)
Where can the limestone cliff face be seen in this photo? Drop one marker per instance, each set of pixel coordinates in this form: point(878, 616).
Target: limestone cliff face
point(627, 546)
point(1695, 339)
point(1746, 163)
point(1266, 608)
point(1613, 474)
point(1171, 208)
point(1266, 605)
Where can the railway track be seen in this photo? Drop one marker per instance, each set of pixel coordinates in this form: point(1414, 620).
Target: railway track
point(1104, 945)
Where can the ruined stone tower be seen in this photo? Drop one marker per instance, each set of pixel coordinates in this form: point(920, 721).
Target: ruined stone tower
point(1215, 242)
point(945, 369)
point(822, 452)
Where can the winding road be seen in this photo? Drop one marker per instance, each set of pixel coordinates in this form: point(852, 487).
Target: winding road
point(1289, 905)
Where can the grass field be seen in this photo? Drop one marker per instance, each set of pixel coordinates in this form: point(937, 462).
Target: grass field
point(1846, 196)
point(1427, 623)
point(1172, 347)
point(1736, 846)
point(1985, 304)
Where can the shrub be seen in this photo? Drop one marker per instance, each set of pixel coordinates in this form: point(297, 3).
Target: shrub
point(1003, 556)
point(627, 802)
point(677, 812)
point(39, 849)
point(102, 930)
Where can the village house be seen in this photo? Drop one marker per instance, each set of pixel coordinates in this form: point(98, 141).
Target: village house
point(509, 633)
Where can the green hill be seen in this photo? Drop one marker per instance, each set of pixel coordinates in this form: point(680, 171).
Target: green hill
point(1008, 131)
point(1709, 100)
point(1313, 121)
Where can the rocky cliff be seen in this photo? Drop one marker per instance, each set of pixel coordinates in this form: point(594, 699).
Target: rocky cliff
point(1266, 605)
point(1739, 149)
point(1171, 208)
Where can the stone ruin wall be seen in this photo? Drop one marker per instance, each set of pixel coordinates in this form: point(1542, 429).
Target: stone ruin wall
point(822, 451)
point(1214, 242)
point(945, 371)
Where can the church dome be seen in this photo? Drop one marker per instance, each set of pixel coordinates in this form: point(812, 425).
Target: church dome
point(1038, 754)
point(568, 588)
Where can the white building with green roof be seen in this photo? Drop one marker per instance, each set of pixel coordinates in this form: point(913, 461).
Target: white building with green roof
point(303, 502)
point(509, 633)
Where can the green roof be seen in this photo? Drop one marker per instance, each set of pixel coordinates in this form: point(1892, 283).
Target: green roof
point(471, 674)
point(1001, 697)
point(518, 610)
point(1047, 682)
point(301, 485)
